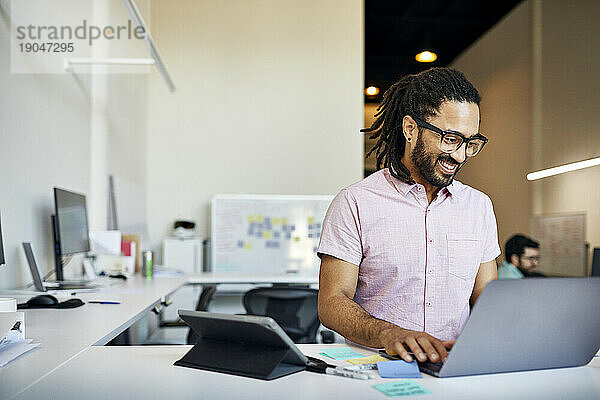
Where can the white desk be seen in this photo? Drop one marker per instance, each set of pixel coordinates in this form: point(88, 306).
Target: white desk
point(147, 372)
point(65, 333)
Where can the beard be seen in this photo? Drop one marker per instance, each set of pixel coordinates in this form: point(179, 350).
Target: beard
point(426, 162)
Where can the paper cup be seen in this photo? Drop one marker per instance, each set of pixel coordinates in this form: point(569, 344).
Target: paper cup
point(8, 304)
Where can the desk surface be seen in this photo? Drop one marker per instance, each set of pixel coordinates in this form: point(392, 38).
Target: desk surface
point(65, 333)
point(147, 372)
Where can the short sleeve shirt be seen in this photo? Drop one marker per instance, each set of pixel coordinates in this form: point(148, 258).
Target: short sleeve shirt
point(417, 261)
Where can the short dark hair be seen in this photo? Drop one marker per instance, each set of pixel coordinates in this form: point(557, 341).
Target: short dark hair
point(516, 245)
point(420, 96)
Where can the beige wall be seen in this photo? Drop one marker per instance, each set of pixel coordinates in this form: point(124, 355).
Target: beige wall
point(269, 100)
point(571, 121)
point(540, 97)
point(499, 65)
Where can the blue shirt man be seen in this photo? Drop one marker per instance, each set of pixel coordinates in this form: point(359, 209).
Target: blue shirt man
point(522, 255)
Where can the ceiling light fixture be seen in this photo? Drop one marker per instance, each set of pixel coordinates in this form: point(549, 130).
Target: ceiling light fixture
point(561, 169)
point(426, 57)
point(372, 91)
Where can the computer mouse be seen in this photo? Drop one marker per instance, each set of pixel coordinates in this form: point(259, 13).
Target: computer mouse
point(43, 300)
point(71, 303)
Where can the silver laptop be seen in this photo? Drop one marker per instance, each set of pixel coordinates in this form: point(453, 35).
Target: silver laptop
point(527, 324)
point(43, 286)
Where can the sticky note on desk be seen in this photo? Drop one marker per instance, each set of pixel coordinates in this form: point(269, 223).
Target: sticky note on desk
point(341, 353)
point(367, 360)
point(401, 388)
point(398, 369)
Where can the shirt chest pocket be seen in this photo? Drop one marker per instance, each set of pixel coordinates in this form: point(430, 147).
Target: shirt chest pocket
point(464, 255)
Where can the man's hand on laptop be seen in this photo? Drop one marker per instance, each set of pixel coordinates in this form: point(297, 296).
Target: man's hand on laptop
point(397, 340)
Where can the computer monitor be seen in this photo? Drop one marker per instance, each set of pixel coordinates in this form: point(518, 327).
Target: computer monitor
point(70, 226)
point(2, 260)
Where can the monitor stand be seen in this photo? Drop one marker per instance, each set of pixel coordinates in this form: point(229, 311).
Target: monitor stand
point(58, 261)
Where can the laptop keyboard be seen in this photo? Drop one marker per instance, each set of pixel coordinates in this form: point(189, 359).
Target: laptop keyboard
point(430, 367)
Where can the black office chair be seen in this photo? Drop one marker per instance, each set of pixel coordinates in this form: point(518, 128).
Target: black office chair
point(294, 309)
point(208, 291)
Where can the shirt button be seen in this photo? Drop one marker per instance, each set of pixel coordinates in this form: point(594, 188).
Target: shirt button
point(430, 240)
point(428, 304)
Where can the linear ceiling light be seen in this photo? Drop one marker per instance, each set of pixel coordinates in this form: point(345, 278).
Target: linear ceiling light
point(561, 169)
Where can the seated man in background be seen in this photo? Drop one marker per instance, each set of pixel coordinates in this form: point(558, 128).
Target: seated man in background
point(522, 256)
point(406, 252)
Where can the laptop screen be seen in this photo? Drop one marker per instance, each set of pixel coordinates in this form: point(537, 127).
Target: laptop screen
point(33, 267)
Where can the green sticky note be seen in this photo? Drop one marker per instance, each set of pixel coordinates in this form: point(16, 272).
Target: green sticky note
point(401, 388)
point(341, 353)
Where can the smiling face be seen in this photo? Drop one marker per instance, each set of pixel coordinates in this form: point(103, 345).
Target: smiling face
point(435, 167)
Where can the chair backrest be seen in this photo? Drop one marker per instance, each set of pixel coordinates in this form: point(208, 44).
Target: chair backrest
point(294, 309)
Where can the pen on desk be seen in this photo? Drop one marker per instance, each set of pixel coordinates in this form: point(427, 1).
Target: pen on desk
point(321, 367)
point(348, 374)
point(103, 302)
point(361, 367)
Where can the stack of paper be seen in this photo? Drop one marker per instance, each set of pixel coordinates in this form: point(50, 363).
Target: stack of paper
point(12, 345)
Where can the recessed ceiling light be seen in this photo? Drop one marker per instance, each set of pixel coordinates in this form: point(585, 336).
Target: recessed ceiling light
point(372, 91)
point(426, 56)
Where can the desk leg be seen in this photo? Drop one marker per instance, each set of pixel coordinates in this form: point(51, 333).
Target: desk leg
point(208, 291)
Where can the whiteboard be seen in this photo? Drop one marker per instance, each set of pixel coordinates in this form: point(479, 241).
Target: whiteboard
point(562, 243)
point(266, 234)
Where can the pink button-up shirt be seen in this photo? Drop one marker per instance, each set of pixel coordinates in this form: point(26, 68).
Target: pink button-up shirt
point(417, 261)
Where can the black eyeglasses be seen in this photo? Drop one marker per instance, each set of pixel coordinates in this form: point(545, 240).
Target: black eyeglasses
point(450, 141)
point(535, 259)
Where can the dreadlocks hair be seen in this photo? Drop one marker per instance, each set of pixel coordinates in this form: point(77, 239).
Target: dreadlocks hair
point(420, 96)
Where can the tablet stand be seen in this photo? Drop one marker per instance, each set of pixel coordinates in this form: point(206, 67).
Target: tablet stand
point(245, 359)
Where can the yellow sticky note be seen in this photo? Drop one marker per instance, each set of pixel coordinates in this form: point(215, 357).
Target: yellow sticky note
point(260, 218)
point(267, 234)
point(311, 220)
point(283, 221)
point(248, 246)
point(275, 221)
point(367, 360)
point(251, 218)
point(296, 238)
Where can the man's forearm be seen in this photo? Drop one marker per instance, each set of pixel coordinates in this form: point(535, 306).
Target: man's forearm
point(350, 320)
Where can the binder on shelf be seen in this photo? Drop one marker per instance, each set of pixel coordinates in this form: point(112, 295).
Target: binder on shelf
point(244, 345)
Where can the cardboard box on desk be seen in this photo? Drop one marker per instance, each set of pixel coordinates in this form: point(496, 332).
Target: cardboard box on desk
point(136, 240)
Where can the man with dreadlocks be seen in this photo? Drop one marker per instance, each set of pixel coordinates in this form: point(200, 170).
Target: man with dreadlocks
point(406, 251)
